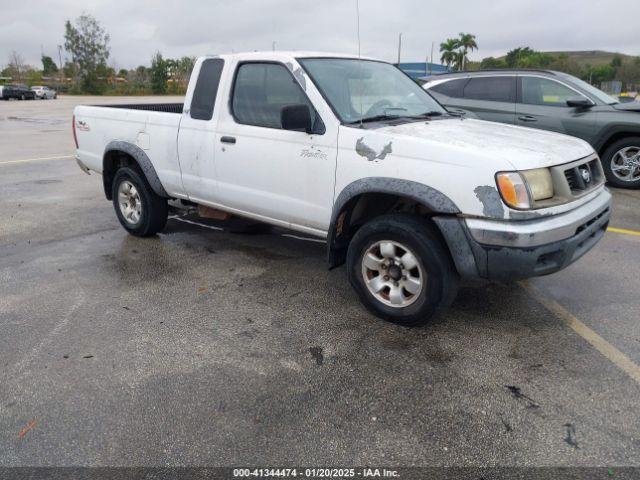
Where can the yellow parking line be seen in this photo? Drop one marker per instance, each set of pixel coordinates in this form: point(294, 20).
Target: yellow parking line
point(614, 355)
point(26, 160)
point(624, 231)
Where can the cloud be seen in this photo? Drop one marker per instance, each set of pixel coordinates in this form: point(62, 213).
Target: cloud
point(197, 27)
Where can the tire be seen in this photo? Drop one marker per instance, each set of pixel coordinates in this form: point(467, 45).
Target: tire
point(22, 97)
point(611, 156)
point(432, 262)
point(151, 216)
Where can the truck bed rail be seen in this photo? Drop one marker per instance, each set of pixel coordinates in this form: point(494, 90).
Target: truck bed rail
point(153, 107)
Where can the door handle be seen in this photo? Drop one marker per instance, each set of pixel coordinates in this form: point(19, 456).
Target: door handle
point(228, 139)
point(528, 118)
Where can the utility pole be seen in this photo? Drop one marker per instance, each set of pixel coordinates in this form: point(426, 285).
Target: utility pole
point(431, 62)
point(399, 47)
point(60, 60)
point(273, 46)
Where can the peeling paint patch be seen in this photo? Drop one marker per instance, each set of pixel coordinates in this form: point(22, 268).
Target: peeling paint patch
point(298, 74)
point(491, 202)
point(372, 153)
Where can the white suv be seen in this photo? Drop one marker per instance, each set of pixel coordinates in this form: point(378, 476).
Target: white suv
point(44, 92)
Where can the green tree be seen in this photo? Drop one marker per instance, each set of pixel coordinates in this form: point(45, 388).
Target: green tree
point(535, 60)
point(492, 63)
point(49, 67)
point(616, 61)
point(88, 44)
point(629, 74)
point(70, 70)
point(563, 63)
point(449, 51)
point(123, 73)
point(514, 56)
point(602, 73)
point(159, 73)
point(466, 42)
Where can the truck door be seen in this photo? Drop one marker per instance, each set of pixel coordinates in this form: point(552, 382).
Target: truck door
point(263, 169)
point(196, 135)
point(542, 103)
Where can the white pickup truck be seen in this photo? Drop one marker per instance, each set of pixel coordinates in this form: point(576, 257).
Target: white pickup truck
point(351, 150)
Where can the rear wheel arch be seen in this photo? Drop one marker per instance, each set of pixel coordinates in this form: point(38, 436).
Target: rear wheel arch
point(119, 154)
point(368, 198)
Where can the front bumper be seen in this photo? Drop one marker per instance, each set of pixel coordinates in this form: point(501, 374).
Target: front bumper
point(512, 250)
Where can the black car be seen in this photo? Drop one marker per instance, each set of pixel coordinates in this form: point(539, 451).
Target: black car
point(19, 92)
point(551, 101)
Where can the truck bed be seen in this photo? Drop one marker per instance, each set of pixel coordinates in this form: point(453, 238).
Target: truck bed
point(151, 107)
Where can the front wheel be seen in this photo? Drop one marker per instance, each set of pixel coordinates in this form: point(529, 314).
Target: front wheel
point(401, 269)
point(140, 210)
point(621, 163)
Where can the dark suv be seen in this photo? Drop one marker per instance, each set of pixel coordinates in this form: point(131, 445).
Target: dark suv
point(20, 92)
point(551, 101)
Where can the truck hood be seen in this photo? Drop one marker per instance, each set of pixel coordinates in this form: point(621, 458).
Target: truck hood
point(501, 144)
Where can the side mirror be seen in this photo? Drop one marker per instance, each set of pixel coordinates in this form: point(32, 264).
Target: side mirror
point(580, 102)
point(296, 117)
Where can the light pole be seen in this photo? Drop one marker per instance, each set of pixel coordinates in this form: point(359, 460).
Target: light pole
point(399, 46)
point(60, 61)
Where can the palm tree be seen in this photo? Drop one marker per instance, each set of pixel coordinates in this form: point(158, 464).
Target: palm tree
point(466, 42)
point(448, 50)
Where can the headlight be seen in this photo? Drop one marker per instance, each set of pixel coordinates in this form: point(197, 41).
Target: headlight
point(539, 182)
point(522, 189)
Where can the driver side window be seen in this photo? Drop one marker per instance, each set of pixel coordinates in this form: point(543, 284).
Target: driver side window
point(260, 92)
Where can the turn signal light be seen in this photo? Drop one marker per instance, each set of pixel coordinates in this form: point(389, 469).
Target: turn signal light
point(513, 190)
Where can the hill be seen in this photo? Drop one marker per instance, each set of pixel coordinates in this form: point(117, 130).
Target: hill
point(592, 57)
point(595, 58)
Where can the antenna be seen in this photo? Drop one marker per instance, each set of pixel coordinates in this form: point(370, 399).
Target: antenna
point(359, 58)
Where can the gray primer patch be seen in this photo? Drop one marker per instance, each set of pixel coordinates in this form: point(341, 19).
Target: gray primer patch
point(491, 201)
point(369, 153)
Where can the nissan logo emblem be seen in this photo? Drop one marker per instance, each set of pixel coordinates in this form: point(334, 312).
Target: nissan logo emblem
point(585, 174)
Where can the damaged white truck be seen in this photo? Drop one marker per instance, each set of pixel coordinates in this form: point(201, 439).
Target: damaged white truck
point(351, 150)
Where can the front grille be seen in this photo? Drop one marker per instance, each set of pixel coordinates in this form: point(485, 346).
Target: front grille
point(583, 177)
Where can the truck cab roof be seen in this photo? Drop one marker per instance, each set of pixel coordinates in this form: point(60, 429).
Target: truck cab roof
point(283, 55)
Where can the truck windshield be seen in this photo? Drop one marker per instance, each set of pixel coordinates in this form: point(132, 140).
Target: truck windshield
point(366, 90)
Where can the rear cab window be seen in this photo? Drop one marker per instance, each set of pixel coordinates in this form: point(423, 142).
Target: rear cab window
point(204, 95)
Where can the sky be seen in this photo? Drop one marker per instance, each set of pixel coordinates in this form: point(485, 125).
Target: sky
point(138, 28)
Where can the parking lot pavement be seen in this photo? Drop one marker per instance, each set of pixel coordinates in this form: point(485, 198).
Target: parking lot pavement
point(202, 347)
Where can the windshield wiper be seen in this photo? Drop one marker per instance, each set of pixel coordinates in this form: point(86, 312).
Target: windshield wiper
point(433, 113)
point(375, 118)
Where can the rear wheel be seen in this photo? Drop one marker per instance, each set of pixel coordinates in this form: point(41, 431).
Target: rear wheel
point(140, 210)
point(401, 269)
point(621, 163)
